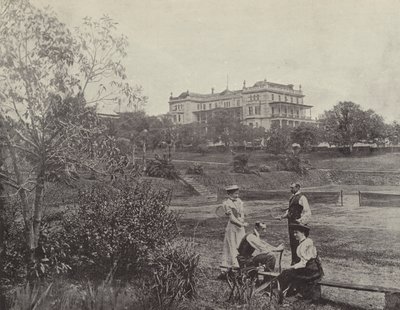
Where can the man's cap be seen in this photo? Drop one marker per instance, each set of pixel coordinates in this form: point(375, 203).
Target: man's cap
point(295, 185)
point(231, 188)
point(300, 227)
point(261, 225)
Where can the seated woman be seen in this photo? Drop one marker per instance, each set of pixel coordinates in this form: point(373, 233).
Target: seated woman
point(301, 277)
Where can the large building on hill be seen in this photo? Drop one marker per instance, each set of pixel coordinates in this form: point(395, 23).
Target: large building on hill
point(260, 105)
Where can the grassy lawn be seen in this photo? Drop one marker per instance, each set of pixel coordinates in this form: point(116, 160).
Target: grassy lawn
point(360, 245)
point(386, 162)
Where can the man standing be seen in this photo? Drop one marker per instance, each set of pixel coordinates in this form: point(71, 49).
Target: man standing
point(299, 212)
point(255, 252)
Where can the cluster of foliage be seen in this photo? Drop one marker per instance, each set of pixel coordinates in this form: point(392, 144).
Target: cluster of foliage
point(293, 162)
point(161, 168)
point(196, 168)
point(279, 139)
point(172, 279)
point(175, 273)
point(117, 228)
point(347, 123)
point(240, 164)
point(225, 126)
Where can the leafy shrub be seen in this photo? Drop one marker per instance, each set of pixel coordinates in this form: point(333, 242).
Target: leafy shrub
point(265, 168)
point(240, 162)
point(175, 273)
point(195, 169)
point(162, 168)
point(293, 163)
point(117, 229)
point(30, 297)
point(203, 149)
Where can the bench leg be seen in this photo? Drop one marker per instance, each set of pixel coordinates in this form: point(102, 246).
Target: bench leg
point(392, 301)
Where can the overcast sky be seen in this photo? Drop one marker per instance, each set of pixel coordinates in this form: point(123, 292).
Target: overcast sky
point(337, 50)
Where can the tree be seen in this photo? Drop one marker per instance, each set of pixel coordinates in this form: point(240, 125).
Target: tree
point(306, 135)
point(278, 139)
point(221, 126)
point(51, 131)
point(347, 124)
point(191, 134)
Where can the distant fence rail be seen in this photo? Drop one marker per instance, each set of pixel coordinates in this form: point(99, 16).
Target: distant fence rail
point(313, 197)
point(371, 199)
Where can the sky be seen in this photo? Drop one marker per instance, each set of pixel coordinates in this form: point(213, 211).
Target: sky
point(343, 50)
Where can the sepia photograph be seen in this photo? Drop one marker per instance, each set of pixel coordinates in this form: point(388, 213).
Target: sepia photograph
point(199, 155)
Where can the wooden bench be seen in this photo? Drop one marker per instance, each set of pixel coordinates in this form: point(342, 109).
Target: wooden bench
point(392, 295)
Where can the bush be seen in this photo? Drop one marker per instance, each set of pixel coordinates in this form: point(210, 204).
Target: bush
point(293, 163)
point(195, 169)
point(203, 149)
point(175, 273)
point(240, 162)
point(162, 168)
point(265, 168)
point(117, 229)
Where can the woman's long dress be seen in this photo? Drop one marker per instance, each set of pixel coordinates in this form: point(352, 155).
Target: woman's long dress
point(233, 233)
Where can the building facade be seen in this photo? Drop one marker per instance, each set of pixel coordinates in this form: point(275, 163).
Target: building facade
point(260, 105)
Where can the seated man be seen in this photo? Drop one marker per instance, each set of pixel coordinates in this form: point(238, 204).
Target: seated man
point(255, 252)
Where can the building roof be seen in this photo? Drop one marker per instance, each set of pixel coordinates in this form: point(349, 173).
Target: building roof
point(207, 97)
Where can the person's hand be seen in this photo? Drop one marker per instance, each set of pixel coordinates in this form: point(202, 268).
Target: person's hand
point(245, 224)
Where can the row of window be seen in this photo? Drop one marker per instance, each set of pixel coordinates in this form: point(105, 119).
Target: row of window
point(277, 97)
point(225, 104)
point(285, 110)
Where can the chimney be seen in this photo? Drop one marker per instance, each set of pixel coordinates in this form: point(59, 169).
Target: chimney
point(212, 90)
point(244, 84)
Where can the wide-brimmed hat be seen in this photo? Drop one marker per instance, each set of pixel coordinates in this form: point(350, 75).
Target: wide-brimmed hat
point(300, 227)
point(231, 188)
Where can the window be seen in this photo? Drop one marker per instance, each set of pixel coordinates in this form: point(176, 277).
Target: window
point(272, 97)
point(210, 105)
point(238, 103)
point(297, 100)
point(198, 107)
point(179, 118)
point(216, 105)
point(251, 125)
point(291, 99)
point(174, 118)
point(250, 110)
point(257, 110)
point(273, 111)
point(256, 125)
point(279, 97)
point(204, 106)
point(286, 98)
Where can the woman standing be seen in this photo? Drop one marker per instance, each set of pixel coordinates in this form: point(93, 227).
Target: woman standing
point(234, 231)
point(302, 277)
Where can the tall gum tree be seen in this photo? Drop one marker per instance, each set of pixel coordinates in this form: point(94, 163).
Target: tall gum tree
point(50, 128)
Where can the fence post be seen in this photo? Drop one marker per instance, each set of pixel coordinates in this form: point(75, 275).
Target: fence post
point(359, 198)
point(341, 197)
